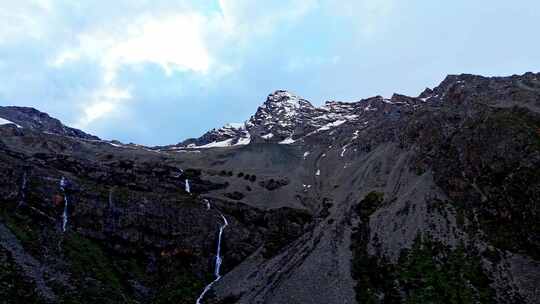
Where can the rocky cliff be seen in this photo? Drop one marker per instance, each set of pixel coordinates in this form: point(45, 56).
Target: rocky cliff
point(428, 199)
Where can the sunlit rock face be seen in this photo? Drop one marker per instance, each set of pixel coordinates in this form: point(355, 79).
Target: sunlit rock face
point(421, 199)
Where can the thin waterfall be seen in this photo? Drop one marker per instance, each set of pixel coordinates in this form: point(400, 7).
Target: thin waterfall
point(206, 203)
point(188, 188)
point(63, 184)
point(218, 259)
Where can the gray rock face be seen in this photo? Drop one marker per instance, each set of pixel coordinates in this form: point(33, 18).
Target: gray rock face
point(407, 199)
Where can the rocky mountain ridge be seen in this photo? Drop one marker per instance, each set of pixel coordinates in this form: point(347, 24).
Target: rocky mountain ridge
point(285, 118)
point(428, 199)
point(33, 119)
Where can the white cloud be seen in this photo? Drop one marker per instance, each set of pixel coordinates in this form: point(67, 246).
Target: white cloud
point(367, 15)
point(179, 36)
point(296, 64)
point(174, 42)
point(21, 20)
point(248, 18)
point(46, 5)
point(103, 102)
point(182, 40)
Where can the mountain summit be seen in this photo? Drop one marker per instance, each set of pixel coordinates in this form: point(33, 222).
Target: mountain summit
point(286, 118)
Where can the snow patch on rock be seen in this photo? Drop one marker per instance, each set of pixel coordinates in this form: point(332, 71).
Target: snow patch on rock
point(268, 136)
point(219, 144)
point(331, 125)
point(8, 122)
point(287, 141)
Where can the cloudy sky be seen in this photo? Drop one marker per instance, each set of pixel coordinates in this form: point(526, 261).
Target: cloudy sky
point(156, 71)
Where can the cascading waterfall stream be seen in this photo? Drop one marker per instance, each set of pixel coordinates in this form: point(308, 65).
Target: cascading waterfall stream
point(219, 258)
point(187, 187)
point(63, 184)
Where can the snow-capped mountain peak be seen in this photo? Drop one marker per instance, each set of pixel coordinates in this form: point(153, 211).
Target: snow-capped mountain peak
point(281, 107)
point(287, 118)
point(287, 100)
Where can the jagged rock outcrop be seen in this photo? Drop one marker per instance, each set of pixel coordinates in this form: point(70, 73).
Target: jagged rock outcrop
point(424, 199)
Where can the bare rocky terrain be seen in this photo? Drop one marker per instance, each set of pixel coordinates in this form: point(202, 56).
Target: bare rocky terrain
point(428, 199)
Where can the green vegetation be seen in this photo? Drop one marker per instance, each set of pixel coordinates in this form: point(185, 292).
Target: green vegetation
point(494, 190)
point(92, 272)
point(508, 175)
point(419, 170)
point(183, 288)
point(520, 121)
point(374, 277)
point(433, 273)
point(87, 258)
point(369, 205)
point(103, 278)
point(510, 218)
point(427, 273)
point(24, 229)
